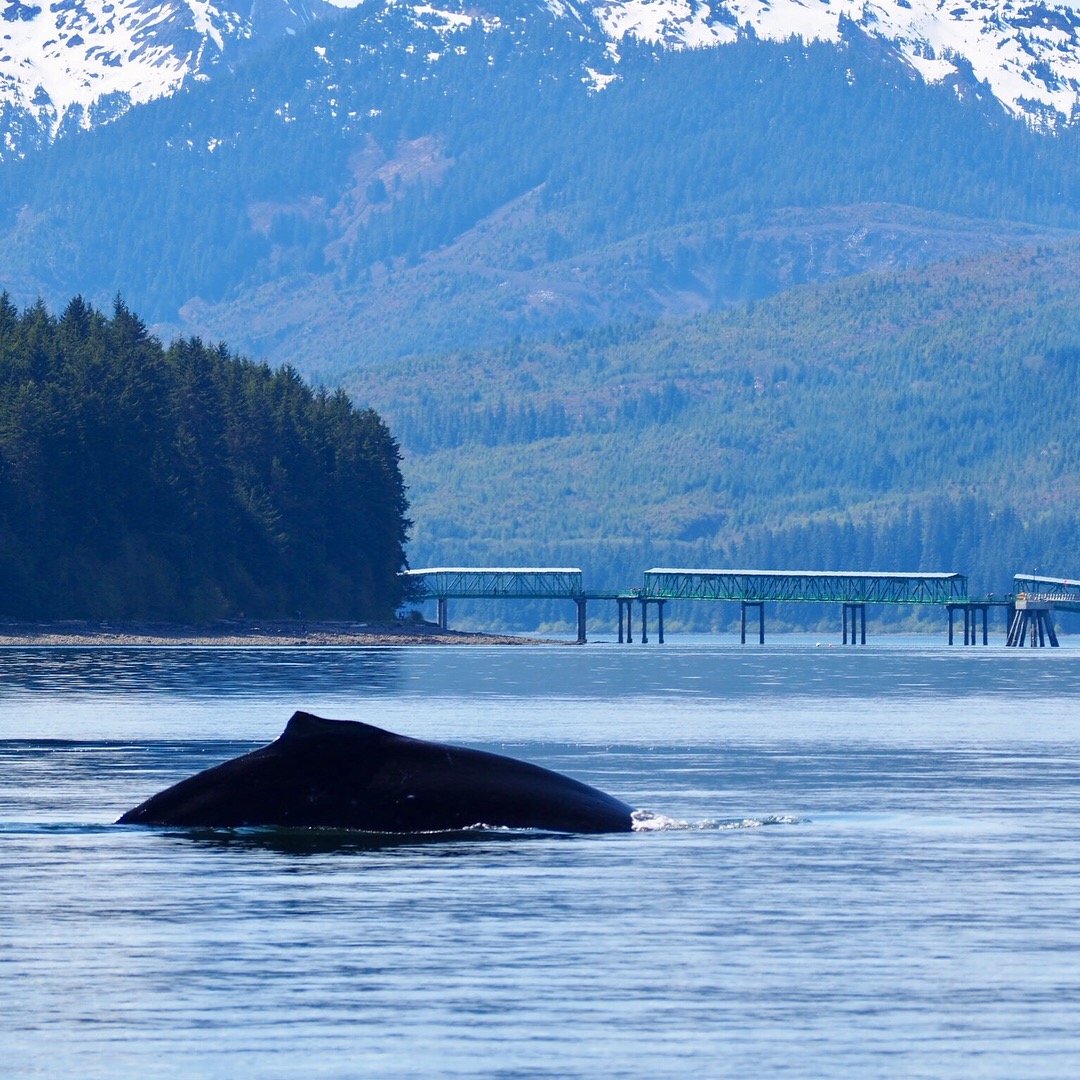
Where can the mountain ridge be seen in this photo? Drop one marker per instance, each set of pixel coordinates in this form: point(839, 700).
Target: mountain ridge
point(312, 209)
point(78, 63)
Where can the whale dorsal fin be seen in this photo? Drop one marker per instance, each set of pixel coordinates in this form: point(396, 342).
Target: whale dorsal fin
point(305, 725)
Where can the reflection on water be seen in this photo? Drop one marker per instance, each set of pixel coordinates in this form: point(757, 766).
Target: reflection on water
point(196, 673)
point(566, 693)
point(447, 843)
point(450, 844)
point(721, 670)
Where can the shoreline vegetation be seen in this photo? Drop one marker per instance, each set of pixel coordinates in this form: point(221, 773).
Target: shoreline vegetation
point(247, 632)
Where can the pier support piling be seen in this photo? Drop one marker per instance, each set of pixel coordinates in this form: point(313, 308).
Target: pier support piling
point(858, 623)
point(645, 620)
point(761, 620)
point(985, 610)
point(1034, 622)
point(442, 617)
point(971, 622)
point(581, 620)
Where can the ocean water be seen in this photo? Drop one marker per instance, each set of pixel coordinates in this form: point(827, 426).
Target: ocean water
point(863, 863)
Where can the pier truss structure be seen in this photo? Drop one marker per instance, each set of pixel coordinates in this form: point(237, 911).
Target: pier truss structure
point(1029, 610)
point(506, 583)
point(812, 586)
point(853, 590)
point(445, 583)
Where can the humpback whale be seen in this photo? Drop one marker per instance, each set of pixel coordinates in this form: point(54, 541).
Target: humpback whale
point(342, 774)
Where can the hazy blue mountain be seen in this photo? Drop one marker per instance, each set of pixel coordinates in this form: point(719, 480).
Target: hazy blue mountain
point(347, 197)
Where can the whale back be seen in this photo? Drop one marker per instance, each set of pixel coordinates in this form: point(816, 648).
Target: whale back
point(345, 774)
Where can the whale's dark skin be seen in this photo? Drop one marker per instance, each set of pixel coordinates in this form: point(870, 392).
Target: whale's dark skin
point(339, 774)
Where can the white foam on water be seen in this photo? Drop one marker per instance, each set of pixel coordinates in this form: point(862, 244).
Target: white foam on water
point(647, 821)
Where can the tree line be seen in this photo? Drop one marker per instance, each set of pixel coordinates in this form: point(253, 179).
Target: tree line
point(183, 482)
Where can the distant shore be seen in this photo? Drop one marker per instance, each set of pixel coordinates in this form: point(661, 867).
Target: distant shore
point(247, 632)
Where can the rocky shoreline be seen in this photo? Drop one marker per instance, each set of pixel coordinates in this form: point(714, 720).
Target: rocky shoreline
point(247, 632)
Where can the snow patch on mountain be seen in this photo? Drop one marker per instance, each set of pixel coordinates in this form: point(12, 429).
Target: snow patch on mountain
point(79, 52)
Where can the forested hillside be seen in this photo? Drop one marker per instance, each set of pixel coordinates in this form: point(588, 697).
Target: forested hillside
point(347, 198)
point(182, 482)
point(916, 421)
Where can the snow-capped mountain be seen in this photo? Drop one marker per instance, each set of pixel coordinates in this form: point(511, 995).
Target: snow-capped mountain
point(1028, 54)
point(76, 63)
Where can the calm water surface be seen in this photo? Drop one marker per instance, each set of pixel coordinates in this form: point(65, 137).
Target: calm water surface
point(876, 874)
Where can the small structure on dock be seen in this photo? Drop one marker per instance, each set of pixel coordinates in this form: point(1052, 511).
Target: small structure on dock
point(1031, 620)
